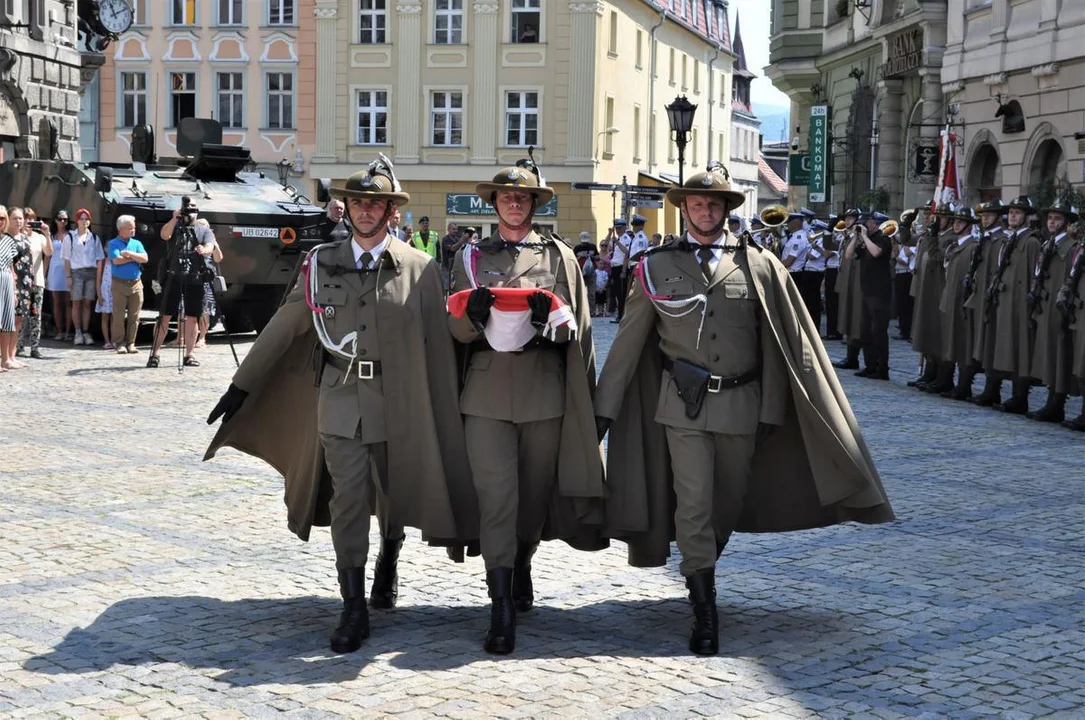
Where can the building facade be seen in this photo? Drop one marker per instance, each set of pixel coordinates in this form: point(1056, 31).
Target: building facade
point(871, 72)
point(745, 129)
point(250, 64)
point(452, 90)
point(40, 80)
point(1015, 73)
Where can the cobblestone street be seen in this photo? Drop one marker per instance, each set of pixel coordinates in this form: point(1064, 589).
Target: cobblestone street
point(139, 580)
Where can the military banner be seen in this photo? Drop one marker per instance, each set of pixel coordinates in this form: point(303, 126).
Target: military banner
point(819, 153)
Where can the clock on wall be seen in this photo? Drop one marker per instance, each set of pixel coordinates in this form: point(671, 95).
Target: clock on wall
point(115, 16)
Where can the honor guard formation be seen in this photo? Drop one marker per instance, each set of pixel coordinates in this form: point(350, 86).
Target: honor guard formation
point(477, 418)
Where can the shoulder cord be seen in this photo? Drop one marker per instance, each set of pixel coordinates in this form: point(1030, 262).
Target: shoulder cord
point(669, 305)
point(319, 313)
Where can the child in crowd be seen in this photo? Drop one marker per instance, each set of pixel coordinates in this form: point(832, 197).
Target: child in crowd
point(599, 289)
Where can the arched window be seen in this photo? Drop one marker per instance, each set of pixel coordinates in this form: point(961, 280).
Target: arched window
point(1048, 164)
point(984, 176)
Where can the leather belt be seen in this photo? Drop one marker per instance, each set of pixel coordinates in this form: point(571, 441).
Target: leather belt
point(365, 369)
point(717, 383)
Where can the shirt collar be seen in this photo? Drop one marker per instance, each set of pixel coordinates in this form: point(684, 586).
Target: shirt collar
point(375, 252)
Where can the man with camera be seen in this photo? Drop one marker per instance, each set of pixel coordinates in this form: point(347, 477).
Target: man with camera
point(872, 249)
point(182, 292)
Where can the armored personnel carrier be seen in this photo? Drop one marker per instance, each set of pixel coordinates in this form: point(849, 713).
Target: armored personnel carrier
point(263, 226)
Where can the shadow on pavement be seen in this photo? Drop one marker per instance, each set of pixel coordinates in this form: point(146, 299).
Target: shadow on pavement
point(263, 641)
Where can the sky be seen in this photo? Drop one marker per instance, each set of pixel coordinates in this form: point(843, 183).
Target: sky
point(755, 37)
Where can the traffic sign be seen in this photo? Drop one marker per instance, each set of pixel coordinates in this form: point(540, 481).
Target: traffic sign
point(595, 186)
point(646, 189)
point(647, 203)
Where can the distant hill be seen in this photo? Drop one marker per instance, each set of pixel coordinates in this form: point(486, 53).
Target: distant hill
point(775, 121)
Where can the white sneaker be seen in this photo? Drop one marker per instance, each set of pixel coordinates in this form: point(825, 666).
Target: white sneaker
point(78, 337)
point(88, 339)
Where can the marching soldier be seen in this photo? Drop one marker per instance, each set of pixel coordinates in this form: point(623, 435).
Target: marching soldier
point(850, 323)
point(1071, 307)
point(715, 366)
point(928, 282)
point(1006, 305)
point(984, 326)
point(527, 395)
point(957, 331)
point(381, 419)
point(1053, 354)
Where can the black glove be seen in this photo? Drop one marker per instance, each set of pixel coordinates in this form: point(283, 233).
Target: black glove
point(1062, 303)
point(228, 404)
point(478, 306)
point(539, 303)
point(602, 425)
point(763, 432)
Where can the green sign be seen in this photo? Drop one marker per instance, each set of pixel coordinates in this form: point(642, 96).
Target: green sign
point(471, 204)
point(819, 153)
point(798, 170)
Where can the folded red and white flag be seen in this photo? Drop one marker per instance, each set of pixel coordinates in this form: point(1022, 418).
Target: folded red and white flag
point(509, 327)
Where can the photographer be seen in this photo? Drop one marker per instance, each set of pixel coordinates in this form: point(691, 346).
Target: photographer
point(872, 249)
point(190, 245)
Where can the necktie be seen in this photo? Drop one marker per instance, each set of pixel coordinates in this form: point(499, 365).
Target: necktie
point(514, 248)
point(365, 261)
point(706, 257)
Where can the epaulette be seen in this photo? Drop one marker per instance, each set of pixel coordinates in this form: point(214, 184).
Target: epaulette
point(558, 238)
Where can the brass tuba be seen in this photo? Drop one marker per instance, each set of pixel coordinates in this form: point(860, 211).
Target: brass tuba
point(889, 228)
point(774, 216)
point(908, 216)
point(840, 226)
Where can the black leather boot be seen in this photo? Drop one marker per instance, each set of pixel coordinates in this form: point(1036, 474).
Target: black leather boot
point(385, 590)
point(501, 638)
point(991, 395)
point(354, 620)
point(523, 592)
point(1053, 411)
point(943, 379)
point(851, 362)
point(930, 372)
point(1018, 402)
point(705, 637)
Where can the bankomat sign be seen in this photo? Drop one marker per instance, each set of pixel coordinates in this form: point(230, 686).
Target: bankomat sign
point(819, 153)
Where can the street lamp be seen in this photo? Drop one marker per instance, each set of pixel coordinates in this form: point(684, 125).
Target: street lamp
point(284, 166)
point(608, 132)
point(680, 116)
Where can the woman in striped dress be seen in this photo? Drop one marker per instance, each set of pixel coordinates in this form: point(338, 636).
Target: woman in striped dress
point(9, 250)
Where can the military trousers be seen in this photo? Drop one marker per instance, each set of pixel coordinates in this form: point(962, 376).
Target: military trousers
point(357, 471)
point(514, 467)
point(711, 474)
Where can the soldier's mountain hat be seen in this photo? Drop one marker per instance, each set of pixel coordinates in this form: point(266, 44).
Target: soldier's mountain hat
point(1063, 208)
point(515, 178)
point(944, 209)
point(1022, 202)
point(964, 213)
point(715, 181)
point(995, 206)
point(377, 183)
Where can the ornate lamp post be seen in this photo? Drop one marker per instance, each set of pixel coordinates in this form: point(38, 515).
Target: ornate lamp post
point(680, 116)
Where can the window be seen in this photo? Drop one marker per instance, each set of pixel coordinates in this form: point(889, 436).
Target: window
point(719, 146)
point(372, 117)
point(448, 23)
point(696, 76)
point(671, 77)
point(372, 22)
point(280, 12)
point(693, 146)
point(280, 101)
point(231, 99)
point(652, 137)
point(139, 11)
point(521, 119)
point(636, 133)
point(230, 12)
point(182, 96)
point(184, 12)
point(685, 76)
point(447, 118)
point(526, 18)
point(133, 99)
point(608, 146)
point(640, 50)
point(613, 47)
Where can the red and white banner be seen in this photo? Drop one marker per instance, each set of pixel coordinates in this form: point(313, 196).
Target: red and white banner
point(509, 327)
point(948, 190)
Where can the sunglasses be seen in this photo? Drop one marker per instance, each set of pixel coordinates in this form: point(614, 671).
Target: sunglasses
point(62, 219)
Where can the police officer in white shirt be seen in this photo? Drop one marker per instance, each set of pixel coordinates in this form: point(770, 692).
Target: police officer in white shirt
point(619, 260)
point(641, 243)
point(833, 242)
point(796, 248)
point(814, 270)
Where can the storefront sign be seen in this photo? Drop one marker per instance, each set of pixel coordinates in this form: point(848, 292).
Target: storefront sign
point(926, 159)
point(819, 153)
point(905, 53)
point(471, 204)
point(798, 169)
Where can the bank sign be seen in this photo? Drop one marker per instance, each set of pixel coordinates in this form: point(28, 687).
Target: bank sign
point(905, 53)
point(819, 153)
point(471, 204)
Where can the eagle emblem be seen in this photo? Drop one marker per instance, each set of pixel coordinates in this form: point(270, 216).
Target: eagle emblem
point(514, 175)
point(707, 181)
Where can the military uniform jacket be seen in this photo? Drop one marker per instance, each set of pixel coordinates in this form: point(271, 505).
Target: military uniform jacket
point(814, 469)
point(533, 385)
point(984, 329)
point(1013, 340)
point(957, 331)
point(1078, 327)
point(928, 282)
point(399, 315)
point(1053, 349)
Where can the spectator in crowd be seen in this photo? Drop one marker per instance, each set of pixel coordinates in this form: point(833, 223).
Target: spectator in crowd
point(24, 271)
point(585, 247)
point(126, 255)
point(104, 304)
point(334, 228)
point(9, 250)
point(657, 240)
point(41, 252)
point(210, 309)
point(81, 254)
point(57, 283)
point(598, 289)
point(393, 226)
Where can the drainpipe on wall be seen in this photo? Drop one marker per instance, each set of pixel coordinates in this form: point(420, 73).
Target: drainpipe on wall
point(652, 90)
point(712, 97)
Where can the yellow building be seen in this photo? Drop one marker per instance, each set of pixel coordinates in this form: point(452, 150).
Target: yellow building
point(453, 90)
